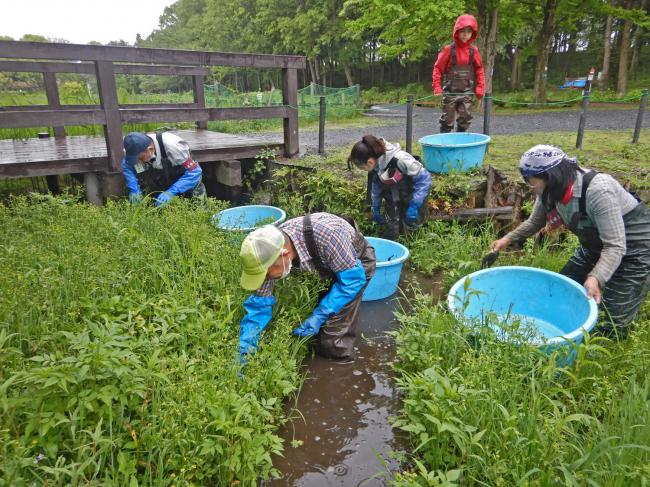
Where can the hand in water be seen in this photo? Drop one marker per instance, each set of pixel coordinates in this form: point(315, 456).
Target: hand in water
point(593, 289)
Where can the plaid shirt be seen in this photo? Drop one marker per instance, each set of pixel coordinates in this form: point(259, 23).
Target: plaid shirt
point(607, 203)
point(334, 239)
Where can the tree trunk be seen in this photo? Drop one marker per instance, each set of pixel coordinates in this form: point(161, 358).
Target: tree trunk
point(607, 54)
point(486, 42)
point(312, 70)
point(317, 70)
point(515, 71)
point(621, 86)
point(491, 49)
point(636, 38)
point(348, 72)
point(543, 48)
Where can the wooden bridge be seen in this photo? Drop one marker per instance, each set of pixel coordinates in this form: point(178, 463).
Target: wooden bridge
point(99, 158)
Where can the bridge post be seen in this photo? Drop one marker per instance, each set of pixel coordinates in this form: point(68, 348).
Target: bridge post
point(108, 101)
point(199, 98)
point(52, 92)
point(290, 101)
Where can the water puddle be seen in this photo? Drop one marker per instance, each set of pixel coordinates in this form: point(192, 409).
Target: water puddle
point(340, 434)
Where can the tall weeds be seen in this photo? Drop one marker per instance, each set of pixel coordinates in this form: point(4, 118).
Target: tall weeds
point(118, 341)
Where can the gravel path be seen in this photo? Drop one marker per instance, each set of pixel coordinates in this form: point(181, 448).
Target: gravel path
point(425, 122)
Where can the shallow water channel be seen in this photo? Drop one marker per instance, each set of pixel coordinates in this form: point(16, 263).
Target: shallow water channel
point(343, 410)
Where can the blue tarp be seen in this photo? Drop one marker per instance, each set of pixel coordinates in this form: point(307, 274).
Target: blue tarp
point(576, 83)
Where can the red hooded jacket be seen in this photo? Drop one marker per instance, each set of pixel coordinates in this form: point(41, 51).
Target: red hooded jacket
point(443, 63)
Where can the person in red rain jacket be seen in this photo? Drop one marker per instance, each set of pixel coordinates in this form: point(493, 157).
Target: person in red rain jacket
point(457, 74)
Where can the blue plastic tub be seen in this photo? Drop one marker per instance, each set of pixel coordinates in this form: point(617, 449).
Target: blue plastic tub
point(555, 307)
point(390, 258)
point(248, 218)
point(453, 152)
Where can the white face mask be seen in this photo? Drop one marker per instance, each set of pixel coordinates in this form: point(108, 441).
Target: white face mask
point(285, 269)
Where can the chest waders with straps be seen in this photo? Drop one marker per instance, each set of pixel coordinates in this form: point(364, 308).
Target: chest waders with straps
point(396, 197)
point(157, 180)
point(460, 79)
point(336, 337)
point(308, 234)
point(627, 288)
point(588, 235)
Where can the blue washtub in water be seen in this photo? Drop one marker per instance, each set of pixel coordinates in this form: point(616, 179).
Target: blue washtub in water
point(555, 307)
point(248, 218)
point(453, 152)
point(390, 258)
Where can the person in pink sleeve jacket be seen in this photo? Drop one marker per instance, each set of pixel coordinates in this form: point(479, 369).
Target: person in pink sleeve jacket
point(457, 75)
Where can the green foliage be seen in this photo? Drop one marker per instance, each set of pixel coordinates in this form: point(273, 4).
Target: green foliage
point(118, 349)
point(298, 191)
point(500, 414)
point(400, 24)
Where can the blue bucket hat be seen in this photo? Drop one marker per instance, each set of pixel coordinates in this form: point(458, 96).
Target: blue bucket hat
point(134, 143)
point(540, 159)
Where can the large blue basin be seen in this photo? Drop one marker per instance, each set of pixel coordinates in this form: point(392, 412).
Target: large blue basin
point(390, 258)
point(453, 152)
point(248, 218)
point(555, 305)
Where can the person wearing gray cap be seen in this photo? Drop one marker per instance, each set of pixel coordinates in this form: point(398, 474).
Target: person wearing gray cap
point(613, 226)
point(160, 164)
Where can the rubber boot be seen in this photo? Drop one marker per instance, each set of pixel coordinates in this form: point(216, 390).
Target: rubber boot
point(444, 129)
point(460, 129)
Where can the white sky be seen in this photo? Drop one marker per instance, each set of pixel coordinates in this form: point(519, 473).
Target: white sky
point(81, 21)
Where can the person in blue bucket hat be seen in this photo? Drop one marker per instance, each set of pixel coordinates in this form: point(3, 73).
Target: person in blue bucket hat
point(161, 164)
point(396, 179)
point(612, 225)
point(322, 243)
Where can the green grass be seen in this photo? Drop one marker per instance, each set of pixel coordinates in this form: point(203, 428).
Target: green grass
point(118, 339)
point(506, 414)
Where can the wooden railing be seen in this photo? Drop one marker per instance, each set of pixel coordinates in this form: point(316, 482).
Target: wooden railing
point(107, 61)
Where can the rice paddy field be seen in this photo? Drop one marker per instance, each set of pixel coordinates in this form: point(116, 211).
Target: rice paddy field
point(118, 352)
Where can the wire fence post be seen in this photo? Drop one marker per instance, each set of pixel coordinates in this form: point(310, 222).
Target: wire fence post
point(583, 109)
point(583, 119)
point(321, 127)
point(639, 116)
point(409, 123)
point(487, 113)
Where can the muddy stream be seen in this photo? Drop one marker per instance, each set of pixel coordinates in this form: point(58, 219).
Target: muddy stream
point(342, 414)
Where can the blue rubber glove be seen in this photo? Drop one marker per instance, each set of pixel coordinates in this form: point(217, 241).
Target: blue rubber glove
point(376, 215)
point(312, 325)
point(163, 198)
point(135, 198)
point(347, 285)
point(188, 181)
point(421, 187)
point(412, 213)
point(131, 181)
point(259, 311)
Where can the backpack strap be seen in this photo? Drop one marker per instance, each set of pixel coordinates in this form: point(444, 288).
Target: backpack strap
point(310, 242)
point(163, 152)
point(586, 179)
point(454, 59)
point(471, 56)
point(392, 164)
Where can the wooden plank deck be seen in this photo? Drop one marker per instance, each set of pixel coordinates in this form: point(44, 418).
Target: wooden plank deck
point(81, 154)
